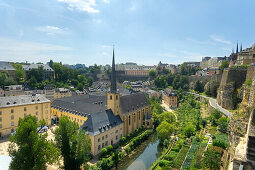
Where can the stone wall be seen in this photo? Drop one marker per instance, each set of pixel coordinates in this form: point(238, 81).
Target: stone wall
point(232, 79)
point(203, 79)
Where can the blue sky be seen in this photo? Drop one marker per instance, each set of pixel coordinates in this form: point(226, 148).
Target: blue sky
point(143, 31)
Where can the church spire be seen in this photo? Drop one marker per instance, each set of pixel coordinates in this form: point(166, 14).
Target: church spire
point(241, 48)
point(113, 77)
point(237, 47)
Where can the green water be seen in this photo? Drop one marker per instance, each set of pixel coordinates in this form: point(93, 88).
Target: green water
point(143, 156)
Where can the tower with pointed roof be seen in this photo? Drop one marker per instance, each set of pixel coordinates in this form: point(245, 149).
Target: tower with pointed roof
point(113, 97)
point(237, 48)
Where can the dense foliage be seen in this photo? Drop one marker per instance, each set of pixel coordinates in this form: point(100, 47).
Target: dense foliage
point(74, 145)
point(164, 130)
point(30, 150)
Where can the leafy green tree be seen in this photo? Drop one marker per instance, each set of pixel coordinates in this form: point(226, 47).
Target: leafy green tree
point(199, 87)
point(167, 116)
point(152, 74)
point(80, 87)
point(51, 63)
point(223, 124)
point(32, 82)
point(189, 130)
point(161, 82)
point(164, 130)
point(73, 143)
point(211, 160)
point(5, 80)
point(30, 150)
point(224, 64)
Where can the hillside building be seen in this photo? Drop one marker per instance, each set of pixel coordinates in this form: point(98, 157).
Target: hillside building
point(7, 67)
point(49, 72)
point(14, 107)
point(170, 98)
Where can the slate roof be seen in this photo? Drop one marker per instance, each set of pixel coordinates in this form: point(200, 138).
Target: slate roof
point(4, 65)
point(36, 66)
point(22, 100)
point(133, 102)
point(169, 92)
point(88, 104)
point(101, 122)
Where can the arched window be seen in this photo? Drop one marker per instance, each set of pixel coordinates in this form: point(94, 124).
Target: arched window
point(134, 117)
point(139, 116)
point(129, 119)
point(111, 97)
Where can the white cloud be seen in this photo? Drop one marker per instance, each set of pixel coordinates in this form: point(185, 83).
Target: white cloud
point(200, 42)
point(18, 50)
point(51, 30)
point(83, 5)
point(220, 39)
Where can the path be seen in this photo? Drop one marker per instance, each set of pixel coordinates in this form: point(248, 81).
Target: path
point(168, 109)
point(214, 104)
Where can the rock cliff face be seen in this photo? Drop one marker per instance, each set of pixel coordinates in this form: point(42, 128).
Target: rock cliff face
point(242, 131)
point(232, 79)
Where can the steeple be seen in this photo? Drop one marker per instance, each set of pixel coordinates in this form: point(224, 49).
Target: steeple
point(113, 77)
point(237, 47)
point(241, 48)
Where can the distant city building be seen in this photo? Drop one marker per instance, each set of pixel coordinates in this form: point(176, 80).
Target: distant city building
point(14, 107)
point(192, 64)
point(62, 92)
point(170, 98)
point(7, 67)
point(246, 56)
point(49, 72)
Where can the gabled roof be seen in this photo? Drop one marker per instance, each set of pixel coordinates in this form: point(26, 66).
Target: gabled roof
point(88, 104)
point(36, 66)
point(101, 122)
point(4, 65)
point(133, 102)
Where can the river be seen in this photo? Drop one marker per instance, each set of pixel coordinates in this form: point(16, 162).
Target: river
point(143, 156)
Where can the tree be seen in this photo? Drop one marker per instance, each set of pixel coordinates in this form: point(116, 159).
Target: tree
point(199, 87)
point(167, 116)
point(223, 124)
point(74, 145)
point(152, 74)
point(164, 130)
point(189, 130)
point(161, 82)
point(224, 64)
point(5, 80)
point(51, 63)
point(211, 160)
point(30, 150)
point(80, 87)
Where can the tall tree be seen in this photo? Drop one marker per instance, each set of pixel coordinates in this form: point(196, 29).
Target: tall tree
point(152, 74)
point(30, 150)
point(164, 130)
point(224, 64)
point(73, 143)
point(199, 87)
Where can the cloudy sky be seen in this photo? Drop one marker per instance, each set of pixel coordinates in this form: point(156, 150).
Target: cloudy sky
point(143, 31)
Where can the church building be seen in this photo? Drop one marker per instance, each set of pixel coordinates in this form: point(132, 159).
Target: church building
point(106, 119)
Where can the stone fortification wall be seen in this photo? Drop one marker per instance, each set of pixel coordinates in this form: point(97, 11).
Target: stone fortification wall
point(236, 75)
point(232, 79)
point(204, 79)
point(250, 72)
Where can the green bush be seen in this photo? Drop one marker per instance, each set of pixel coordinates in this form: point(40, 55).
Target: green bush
point(220, 140)
point(163, 163)
point(109, 148)
point(103, 152)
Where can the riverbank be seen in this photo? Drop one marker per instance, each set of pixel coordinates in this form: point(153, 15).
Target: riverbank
point(143, 156)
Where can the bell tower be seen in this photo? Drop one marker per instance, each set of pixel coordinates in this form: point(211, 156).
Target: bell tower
point(113, 98)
